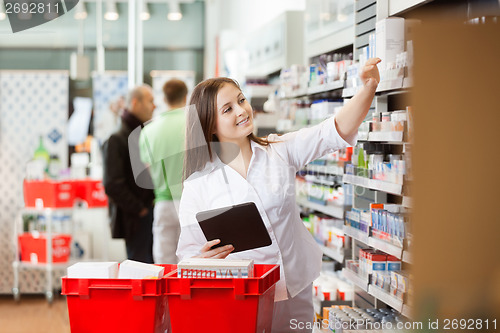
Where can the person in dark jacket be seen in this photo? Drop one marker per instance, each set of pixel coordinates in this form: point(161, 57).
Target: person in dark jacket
point(130, 198)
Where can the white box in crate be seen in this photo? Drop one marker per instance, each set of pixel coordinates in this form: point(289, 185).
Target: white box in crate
point(93, 270)
point(130, 269)
point(216, 268)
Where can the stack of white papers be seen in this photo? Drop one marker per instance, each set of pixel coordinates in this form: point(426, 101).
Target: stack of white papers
point(93, 270)
point(215, 268)
point(130, 269)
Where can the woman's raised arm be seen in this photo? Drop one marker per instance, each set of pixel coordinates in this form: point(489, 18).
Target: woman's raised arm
point(354, 112)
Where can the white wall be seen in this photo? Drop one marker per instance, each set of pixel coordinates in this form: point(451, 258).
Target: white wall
point(240, 16)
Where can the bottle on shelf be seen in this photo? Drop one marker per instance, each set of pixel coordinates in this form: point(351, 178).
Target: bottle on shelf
point(54, 166)
point(42, 154)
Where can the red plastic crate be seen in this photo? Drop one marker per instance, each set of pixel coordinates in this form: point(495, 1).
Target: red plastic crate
point(116, 305)
point(207, 305)
point(33, 247)
point(54, 194)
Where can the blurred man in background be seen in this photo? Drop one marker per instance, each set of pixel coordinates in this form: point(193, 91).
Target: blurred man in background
point(161, 148)
point(131, 205)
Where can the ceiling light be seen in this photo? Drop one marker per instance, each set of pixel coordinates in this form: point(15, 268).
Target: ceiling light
point(2, 11)
point(145, 15)
point(174, 12)
point(111, 11)
point(80, 11)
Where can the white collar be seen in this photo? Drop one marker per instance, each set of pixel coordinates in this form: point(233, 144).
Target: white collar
point(217, 163)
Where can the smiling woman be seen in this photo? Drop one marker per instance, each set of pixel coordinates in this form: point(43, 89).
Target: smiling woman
point(220, 113)
point(235, 117)
point(242, 168)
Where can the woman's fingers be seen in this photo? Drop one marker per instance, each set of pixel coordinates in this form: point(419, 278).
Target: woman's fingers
point(372, 61)
point(208, 245)
point(223, 251)
point(218, 253)
point(223, 254)
point(370, 74)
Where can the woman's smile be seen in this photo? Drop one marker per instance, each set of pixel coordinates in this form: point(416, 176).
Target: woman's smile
point(243, 122)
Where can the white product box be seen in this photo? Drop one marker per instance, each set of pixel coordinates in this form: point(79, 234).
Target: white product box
point(93, 270)
point(130, 269)
point(389, 40)
point(218, 268)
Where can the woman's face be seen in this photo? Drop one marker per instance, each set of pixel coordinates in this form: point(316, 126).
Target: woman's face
point(234, 114)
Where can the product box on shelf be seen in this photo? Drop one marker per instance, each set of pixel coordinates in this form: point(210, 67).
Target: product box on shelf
point(371, 261)
point(382, 279)
point(389, 40)
point(352, 265)
point(48, 193)
point(92, 192)
point(33, 247)
point(400, 284)
point(63, 194)
point(389, 223)
point(358, 219)
point(327, 230)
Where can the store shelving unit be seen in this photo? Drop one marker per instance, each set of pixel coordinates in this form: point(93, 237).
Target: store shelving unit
point(399, 82)
point(386, 247)
point(326, 169)
point(49, 267)
point(334, 211)
point(396, 86)
point(337, 255)
point(322, 88)
point(318, 89)
point(374, 184)
point(385, 297)
point(360, 281)
point(389, 137)
point(407, 311)
point(407, 257)
point(378, 244)
point(356, 234)
point(407, 202)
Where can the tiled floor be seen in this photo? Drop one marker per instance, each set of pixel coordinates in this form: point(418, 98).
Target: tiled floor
point(33, 314)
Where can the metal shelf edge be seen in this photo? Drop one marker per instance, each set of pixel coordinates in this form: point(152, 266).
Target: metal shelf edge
point(330, 86)
point(386, 247)
point(374, 184)
point(334, 211)
point(332, 254)
point(385, 297)
point(407, 257)
point(407, 311)
point(392, 136)
point(351, 232)
point(327, 169)
point(407, 202)
point(356, 279)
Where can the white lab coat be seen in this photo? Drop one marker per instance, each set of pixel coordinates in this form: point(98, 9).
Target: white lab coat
point(270, 184)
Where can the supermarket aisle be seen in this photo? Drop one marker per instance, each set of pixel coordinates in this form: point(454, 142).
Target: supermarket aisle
point(33, 314)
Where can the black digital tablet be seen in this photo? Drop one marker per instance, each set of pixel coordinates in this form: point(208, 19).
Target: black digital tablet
point(239, 225)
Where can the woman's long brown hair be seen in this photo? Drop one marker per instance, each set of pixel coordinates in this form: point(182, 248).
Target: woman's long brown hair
point(203, 111)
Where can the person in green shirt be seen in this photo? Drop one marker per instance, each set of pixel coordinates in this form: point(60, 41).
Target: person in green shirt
point(161, 146)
